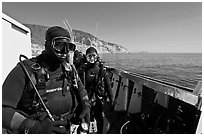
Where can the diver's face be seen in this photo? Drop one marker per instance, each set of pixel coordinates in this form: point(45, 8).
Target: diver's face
point(92, 57)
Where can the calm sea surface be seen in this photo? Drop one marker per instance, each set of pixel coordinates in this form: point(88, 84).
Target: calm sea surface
point(177, 68)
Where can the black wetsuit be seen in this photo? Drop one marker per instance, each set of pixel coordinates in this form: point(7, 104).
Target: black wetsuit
point(18, 94)
point(91, 73)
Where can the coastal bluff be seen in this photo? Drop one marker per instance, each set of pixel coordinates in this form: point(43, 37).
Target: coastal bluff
point(82, 39)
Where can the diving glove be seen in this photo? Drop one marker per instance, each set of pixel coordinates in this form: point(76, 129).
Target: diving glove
point(85, 113)
point(45, 126)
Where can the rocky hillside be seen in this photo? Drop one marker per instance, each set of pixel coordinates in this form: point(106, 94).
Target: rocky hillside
point(82, 39)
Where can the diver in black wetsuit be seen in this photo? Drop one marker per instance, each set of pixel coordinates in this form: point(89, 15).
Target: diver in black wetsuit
point(97, 84)
point(53, 76)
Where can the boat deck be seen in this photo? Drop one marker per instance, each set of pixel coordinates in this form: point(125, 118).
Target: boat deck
point(116, 119)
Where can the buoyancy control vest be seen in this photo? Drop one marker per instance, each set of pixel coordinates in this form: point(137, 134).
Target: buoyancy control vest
point(94, 80)
point(55, 88)
point(100, 86)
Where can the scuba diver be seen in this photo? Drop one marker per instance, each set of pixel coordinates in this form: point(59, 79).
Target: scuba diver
point(96, 82)
point(79, 59)
point(40, 95)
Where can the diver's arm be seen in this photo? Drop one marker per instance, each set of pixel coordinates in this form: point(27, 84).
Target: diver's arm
point(82, 91)
point(11, 119)
point(12, 91)
point(84, 99)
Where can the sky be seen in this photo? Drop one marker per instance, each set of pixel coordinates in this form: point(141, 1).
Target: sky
point(158, 27)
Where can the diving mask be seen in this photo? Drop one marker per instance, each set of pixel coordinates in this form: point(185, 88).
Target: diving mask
point(61, 46)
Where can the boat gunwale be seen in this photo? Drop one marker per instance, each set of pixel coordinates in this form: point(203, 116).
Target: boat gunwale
point(179, 92)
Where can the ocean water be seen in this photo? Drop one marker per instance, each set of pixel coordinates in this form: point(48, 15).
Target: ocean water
point(184, 69)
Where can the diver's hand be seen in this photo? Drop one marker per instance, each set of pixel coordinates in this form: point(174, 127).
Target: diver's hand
point(86, 107)
point(45, 126)
point(85, 114)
